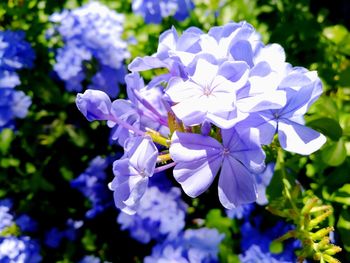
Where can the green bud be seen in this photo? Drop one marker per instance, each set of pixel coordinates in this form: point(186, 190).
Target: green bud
point(321, 233)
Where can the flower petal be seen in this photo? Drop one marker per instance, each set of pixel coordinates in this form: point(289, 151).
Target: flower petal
point(300, 139)
point(236, 184)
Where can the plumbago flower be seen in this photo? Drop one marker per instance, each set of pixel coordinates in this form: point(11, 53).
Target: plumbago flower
point(15, 54)
point(160, 215)
point(14, 245)
point(92, 184)
point(224, 95)
point(90, 32)
point(154, 10)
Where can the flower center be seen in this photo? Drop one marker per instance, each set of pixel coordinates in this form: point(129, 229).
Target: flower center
point(226, 151)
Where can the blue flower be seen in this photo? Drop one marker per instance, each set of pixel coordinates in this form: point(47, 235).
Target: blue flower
point(199, 158)
point(240, 212)
point(132, 173)
point(15, 54)
point(16, 248)
point(153, 10)
point(93, 185)
point(19, 249)
point(91, 32)
point(160, 215)
point(253, 234)
point(6, 218)
point(193, 245)
point(90, 259)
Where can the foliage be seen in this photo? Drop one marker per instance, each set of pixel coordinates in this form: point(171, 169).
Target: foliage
point(54, 143)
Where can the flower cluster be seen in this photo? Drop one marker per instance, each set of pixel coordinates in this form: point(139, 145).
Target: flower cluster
point(91, 32)
point(256, 243)
point(92, 184)
point(13, 246)
point(55, 236)
point(161, 215)
point(15, 54)
point(225, 94)
point(193, 245)
point(154, 10)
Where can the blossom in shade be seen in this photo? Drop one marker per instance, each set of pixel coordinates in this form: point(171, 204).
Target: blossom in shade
point(262, 182)
point(160, 215)
point(193, 245)
point(15, 54)
point(154, 10)
point(14, 245)
point(240, 212)
point(255, 235)
point(132, 173)
point(255, 255)
point(92, 184)
point(90, 259)
point(91, 32)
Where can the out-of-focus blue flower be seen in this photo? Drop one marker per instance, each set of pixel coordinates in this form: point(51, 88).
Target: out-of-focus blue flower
point(253, 234)
point(13, 104)
point(90, 259)
point(16, 248)
point(91, 32)
point(255, 255)
point(240, 212)
point(193, 245)
point(26, 223)
point(6, 218)
point(54, 236)
point(93, 185)
point(153, 11)
point(161, 214)
point(19, 249)
point(15, 54)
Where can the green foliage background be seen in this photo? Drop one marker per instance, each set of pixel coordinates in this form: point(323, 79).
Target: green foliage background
point(54, 143)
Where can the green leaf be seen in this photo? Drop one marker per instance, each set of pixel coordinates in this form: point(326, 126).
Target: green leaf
point(335, 153)
point(215, 219)
point(344, 228)
point(328, 127)
point(336, 33)
point(6, 137)
point(342, 195)
point(344, 77)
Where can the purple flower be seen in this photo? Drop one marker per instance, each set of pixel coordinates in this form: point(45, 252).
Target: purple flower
point(132, 172)
point(90, 259)
point(240, 212)
point(92, 184)
point(209, 94)
point(302, 88)
point(199, 159)
point(194, 245)
point(262, 182)
point(254, 234)
point(94, 105)
point(91, 32)
point(160, 215)
point(255, 255)
point(19, 249)
point(15, 54)
point(153, 11)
